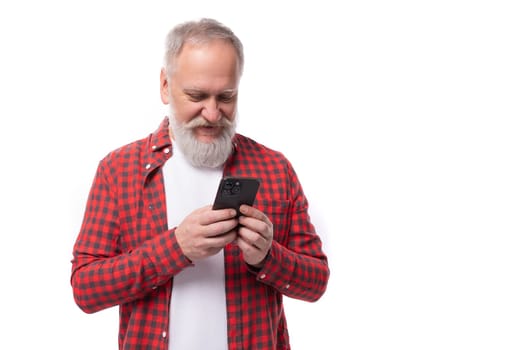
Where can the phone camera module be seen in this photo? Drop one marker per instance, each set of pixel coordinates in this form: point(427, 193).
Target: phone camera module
point(232, 188)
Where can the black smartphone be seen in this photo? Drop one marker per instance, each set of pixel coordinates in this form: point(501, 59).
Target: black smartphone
point(234, 191)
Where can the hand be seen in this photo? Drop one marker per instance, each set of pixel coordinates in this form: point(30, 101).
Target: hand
point(205, 232)
point(255, 235)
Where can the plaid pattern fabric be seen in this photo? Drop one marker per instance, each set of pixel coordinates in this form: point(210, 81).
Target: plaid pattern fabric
point(126, 255)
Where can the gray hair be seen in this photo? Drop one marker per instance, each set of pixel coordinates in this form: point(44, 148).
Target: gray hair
point(199, 32)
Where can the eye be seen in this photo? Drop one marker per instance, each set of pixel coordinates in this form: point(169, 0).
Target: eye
point(196, 96)
point(227, 98)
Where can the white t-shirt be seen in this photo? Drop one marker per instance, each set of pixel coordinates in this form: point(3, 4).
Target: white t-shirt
point(198, 319)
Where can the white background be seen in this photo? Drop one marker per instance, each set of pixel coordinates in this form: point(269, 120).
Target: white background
point(402, 118)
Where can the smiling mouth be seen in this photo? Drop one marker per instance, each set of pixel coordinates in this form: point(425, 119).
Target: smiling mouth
point(208, 130)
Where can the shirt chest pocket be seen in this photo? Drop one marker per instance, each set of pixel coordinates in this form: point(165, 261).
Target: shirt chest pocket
point(278, 211)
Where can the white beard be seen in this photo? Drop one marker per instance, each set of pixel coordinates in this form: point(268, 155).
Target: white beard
point(202, 154)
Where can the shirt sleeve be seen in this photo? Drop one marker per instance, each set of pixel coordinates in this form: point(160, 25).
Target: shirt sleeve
point(102, 275)
point(296, 265)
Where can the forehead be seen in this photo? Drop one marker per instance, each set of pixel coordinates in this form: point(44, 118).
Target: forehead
point(208, 66)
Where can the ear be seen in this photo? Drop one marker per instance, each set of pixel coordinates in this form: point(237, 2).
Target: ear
point(164, 88)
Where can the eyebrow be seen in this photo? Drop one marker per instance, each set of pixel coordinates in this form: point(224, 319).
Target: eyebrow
point(199, 91)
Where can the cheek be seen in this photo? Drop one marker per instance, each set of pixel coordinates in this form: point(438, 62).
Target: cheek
point(185, 110)
point(229, 110)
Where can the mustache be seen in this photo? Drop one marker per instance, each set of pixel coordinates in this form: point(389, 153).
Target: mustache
point(201, 121)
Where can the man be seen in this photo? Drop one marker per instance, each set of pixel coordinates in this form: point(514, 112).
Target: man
point(186, 276)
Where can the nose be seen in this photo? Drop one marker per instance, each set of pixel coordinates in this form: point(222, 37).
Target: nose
point(211, 111)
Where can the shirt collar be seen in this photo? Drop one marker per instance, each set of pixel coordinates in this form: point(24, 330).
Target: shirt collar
point(159, 149)
point(160, 138)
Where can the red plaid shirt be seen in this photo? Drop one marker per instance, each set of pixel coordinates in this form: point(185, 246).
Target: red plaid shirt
point(125, 254)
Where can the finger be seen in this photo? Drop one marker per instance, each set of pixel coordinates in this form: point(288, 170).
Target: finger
point(253, 238)
point(263, 228)
point(210, 216)
point(248, 248)
point(220, 241)
point(252, 212)
point(220, 228)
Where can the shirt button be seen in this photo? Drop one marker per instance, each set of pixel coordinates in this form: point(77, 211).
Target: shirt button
point(154, 147)
point(287, 286)
point(164, 334)
point(263, 276)
point(166, 150)
point(148, 166)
